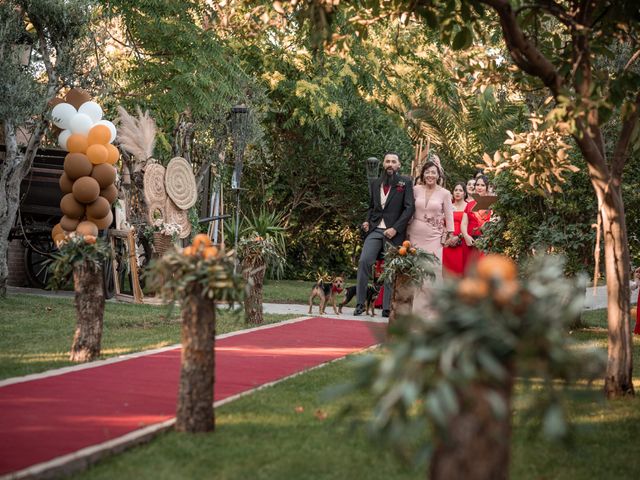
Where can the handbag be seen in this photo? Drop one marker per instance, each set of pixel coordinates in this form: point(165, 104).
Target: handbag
point(443, 237)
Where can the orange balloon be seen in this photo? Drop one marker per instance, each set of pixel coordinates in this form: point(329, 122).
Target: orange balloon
point(99, 135)
point(114, 153)
point(97, 154)
point(77, 143)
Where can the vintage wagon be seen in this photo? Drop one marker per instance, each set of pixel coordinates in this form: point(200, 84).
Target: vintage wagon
point(39, 211)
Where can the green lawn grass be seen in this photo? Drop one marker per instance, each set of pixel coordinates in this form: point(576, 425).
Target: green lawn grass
point(287, 432)
point(293, 291)
point(263, 436)
point(36, 332)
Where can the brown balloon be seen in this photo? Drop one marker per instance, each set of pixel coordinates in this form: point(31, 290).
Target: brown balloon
point(77, 165)
point(104, 222)
point(110, 193)
point(86, 189)
point(98, 209)
point(104, 174)
point(55, 101)
point(76, 97)
point(66, 184)
point(87, 228)
point(68, 224)
point(71, 207)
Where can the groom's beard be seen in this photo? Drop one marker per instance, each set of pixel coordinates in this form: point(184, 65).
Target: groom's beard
point(387, 179)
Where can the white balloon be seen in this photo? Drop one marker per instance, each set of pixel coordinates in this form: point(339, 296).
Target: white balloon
point(112, 128)
point(80, 123)
point(63, 137)
point(92, 109)
point(62, 115)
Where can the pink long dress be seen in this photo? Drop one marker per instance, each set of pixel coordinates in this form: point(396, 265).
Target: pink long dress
point(431, 220)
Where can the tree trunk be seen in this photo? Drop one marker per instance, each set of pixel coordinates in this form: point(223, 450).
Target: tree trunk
point(253, 270)
point(9, 202)
point(195, 398)
point(402, 299)
point(477, 443)
point(12, 170)
point(619, 375)
point(89, 300)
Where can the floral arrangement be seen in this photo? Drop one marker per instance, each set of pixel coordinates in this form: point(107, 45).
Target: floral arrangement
point(412, 262)
point(172, 230)
point(198, 269)
point(264, 248)
point(491, 328)
point(73, 251)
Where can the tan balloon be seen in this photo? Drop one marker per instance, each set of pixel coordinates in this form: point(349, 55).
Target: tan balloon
point(104, 174)
point(71, 207)
point(56, 230)
point(104, 222)
point(66, 184)
point(68, 224)
point(77, 165)
point(98, 209)
point(110, 193)
point(87, 228)
point(98, 154)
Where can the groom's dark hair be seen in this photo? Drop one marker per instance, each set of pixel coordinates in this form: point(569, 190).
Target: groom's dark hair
point(392, 153)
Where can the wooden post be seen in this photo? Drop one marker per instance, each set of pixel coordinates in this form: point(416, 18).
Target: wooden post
point(89, 301)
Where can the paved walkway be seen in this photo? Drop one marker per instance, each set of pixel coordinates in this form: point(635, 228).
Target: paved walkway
point(591, 302)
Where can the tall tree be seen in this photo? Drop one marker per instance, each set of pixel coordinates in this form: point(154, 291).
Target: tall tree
point(29, 79)
point(557, 46)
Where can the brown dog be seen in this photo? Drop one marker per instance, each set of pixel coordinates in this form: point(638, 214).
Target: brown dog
point(327, 292)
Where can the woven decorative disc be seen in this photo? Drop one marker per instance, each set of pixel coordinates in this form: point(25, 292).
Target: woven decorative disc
point(153, 181)
point(181, 183)
point(173, 214)
point(156, 213)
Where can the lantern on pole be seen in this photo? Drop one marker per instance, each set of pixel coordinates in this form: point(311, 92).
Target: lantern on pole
point(239, 134)
point(373, 170)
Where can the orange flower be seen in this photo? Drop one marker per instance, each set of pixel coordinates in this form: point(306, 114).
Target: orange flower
point(402, 251)
point(498, 267)
point(406, 244)
point(201, 240)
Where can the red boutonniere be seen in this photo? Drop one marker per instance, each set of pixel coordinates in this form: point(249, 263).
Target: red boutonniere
point(400, 186)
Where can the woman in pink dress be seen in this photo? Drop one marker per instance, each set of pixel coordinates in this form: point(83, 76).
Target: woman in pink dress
point(454, 256)
point(476, 221)
point(636, 278)
point(431, 224)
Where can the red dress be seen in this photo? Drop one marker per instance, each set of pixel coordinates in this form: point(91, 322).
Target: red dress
point(454, 258)
point(476, 221)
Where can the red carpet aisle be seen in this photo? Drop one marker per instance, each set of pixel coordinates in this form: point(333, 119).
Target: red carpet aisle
point(45, 418)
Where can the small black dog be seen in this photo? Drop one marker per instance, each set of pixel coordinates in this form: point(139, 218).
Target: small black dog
point(372, 296)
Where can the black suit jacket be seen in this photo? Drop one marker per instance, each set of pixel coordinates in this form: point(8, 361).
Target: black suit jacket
point(397, 211)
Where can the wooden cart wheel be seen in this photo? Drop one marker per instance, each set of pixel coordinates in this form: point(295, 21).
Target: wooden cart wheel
point(37, 258)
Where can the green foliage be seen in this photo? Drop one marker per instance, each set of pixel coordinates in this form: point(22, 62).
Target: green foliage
point(415, 263)
point(176, 276)
point(74, 252)
point(56, 28)
point(524, 222)
point(487, 338)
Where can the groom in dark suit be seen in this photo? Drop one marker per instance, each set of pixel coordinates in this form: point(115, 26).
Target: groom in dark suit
point(391, 207)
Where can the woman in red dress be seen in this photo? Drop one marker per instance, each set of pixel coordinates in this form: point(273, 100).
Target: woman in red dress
point(454, 257)
point(636, 278)
point(476, 220)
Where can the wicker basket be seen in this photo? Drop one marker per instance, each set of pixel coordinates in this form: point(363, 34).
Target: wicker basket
point(161, 243)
